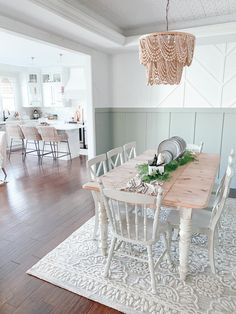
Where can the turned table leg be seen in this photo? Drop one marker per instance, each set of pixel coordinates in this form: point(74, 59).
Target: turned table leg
point(103, 224)
point(185, 240)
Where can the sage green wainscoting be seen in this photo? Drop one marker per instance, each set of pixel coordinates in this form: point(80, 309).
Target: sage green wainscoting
point(103, 131)
point(149, 126)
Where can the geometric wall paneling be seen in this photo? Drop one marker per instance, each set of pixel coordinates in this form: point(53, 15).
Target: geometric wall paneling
point(167, 95)
point(229, 93)
point(230, 62)
point(231, 46)
point(208, 82)
point(220, 47)
point(204, 83)
point(209, 56)
point(183, 124)
point(194, 98)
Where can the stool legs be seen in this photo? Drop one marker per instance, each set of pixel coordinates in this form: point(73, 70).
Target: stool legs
point(10, 149)
point(68, 147)
point(22, 148)
point(54, 151)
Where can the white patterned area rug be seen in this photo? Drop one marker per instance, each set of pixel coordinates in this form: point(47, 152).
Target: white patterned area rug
point(76, 265)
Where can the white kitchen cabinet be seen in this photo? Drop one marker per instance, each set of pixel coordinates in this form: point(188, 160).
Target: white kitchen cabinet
point(31, 90)
point(53, 89)
point(52, 95)
point(44, 87)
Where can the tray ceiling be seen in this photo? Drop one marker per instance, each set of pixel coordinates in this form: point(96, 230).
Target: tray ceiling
point(133, 15)
point(115, 25)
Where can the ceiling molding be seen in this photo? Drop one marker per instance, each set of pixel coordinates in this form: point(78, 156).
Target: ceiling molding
point(28, 31)
point(64, 23)
point(157, 27)
point(209, 34)
point(73, 14)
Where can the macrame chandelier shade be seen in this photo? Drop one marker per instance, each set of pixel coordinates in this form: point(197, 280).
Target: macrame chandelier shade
point(165, 54)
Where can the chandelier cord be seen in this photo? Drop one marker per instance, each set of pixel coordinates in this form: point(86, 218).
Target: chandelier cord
point(167, 11)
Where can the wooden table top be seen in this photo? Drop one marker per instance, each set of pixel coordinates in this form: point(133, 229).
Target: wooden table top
point(190, 186)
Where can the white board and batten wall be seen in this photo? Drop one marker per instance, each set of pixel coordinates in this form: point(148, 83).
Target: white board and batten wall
point(201, 108)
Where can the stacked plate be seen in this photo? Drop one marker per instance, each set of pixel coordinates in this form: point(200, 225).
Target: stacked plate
point(173, 148)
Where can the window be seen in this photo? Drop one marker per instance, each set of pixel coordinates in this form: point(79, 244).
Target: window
point(7, 93)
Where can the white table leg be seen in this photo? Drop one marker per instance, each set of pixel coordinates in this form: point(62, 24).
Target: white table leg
point(103, 224)
point(185, 240)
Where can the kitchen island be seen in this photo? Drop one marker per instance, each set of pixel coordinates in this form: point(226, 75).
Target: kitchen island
point(72, 131)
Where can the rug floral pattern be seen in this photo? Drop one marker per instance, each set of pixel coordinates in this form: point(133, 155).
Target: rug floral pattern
point(77, 265)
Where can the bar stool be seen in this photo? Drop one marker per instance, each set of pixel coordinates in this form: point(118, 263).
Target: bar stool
point(52, 138)
point(14, 132)
point(31, 134)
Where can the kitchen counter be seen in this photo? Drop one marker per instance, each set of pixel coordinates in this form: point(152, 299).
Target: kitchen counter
point(67, 126)
point(72, 131)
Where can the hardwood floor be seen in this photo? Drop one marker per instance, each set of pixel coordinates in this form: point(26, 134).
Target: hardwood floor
point(39, 208)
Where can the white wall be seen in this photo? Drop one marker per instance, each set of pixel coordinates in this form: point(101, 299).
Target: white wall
point(14, 72)
point(209, 82)
point(101, 80)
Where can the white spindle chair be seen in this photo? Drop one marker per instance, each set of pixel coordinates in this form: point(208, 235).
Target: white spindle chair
point(97, 166)
point(195, 148)
point(206, 221)
point(115, 157)
point(129, 150)
point(135, 227)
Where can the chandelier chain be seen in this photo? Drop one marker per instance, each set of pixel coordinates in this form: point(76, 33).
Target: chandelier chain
point(167, 12)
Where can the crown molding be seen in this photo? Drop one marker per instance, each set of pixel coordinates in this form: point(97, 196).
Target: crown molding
point(209, 34)
point(64, 24)
point(80, 17)
point(160, 27)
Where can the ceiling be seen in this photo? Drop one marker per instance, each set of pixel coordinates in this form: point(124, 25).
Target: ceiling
point(18, 51)
point(130, 16)
point(116, 25)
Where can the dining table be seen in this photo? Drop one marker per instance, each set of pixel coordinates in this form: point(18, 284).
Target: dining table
point(188, 189)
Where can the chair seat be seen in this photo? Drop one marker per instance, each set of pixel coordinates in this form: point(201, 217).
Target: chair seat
point(63, 137)
point(141, 235)
point(200, 219)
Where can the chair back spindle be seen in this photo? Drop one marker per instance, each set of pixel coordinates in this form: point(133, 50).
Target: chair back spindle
point(115, 157)
point(130, 150)
point(128, 214)
point(97, 166)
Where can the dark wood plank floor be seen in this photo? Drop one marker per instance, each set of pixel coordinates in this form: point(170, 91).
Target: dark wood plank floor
point(39, 208)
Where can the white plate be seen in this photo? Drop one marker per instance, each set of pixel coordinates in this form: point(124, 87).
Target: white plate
point(171, 146)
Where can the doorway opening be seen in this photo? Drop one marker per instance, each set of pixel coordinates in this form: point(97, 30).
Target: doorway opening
point(48, 83)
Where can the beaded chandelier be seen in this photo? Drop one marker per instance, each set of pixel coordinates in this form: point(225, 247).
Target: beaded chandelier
point(165, 54)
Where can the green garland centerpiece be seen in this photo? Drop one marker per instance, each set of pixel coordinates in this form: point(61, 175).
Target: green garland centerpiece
point(143, 169)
